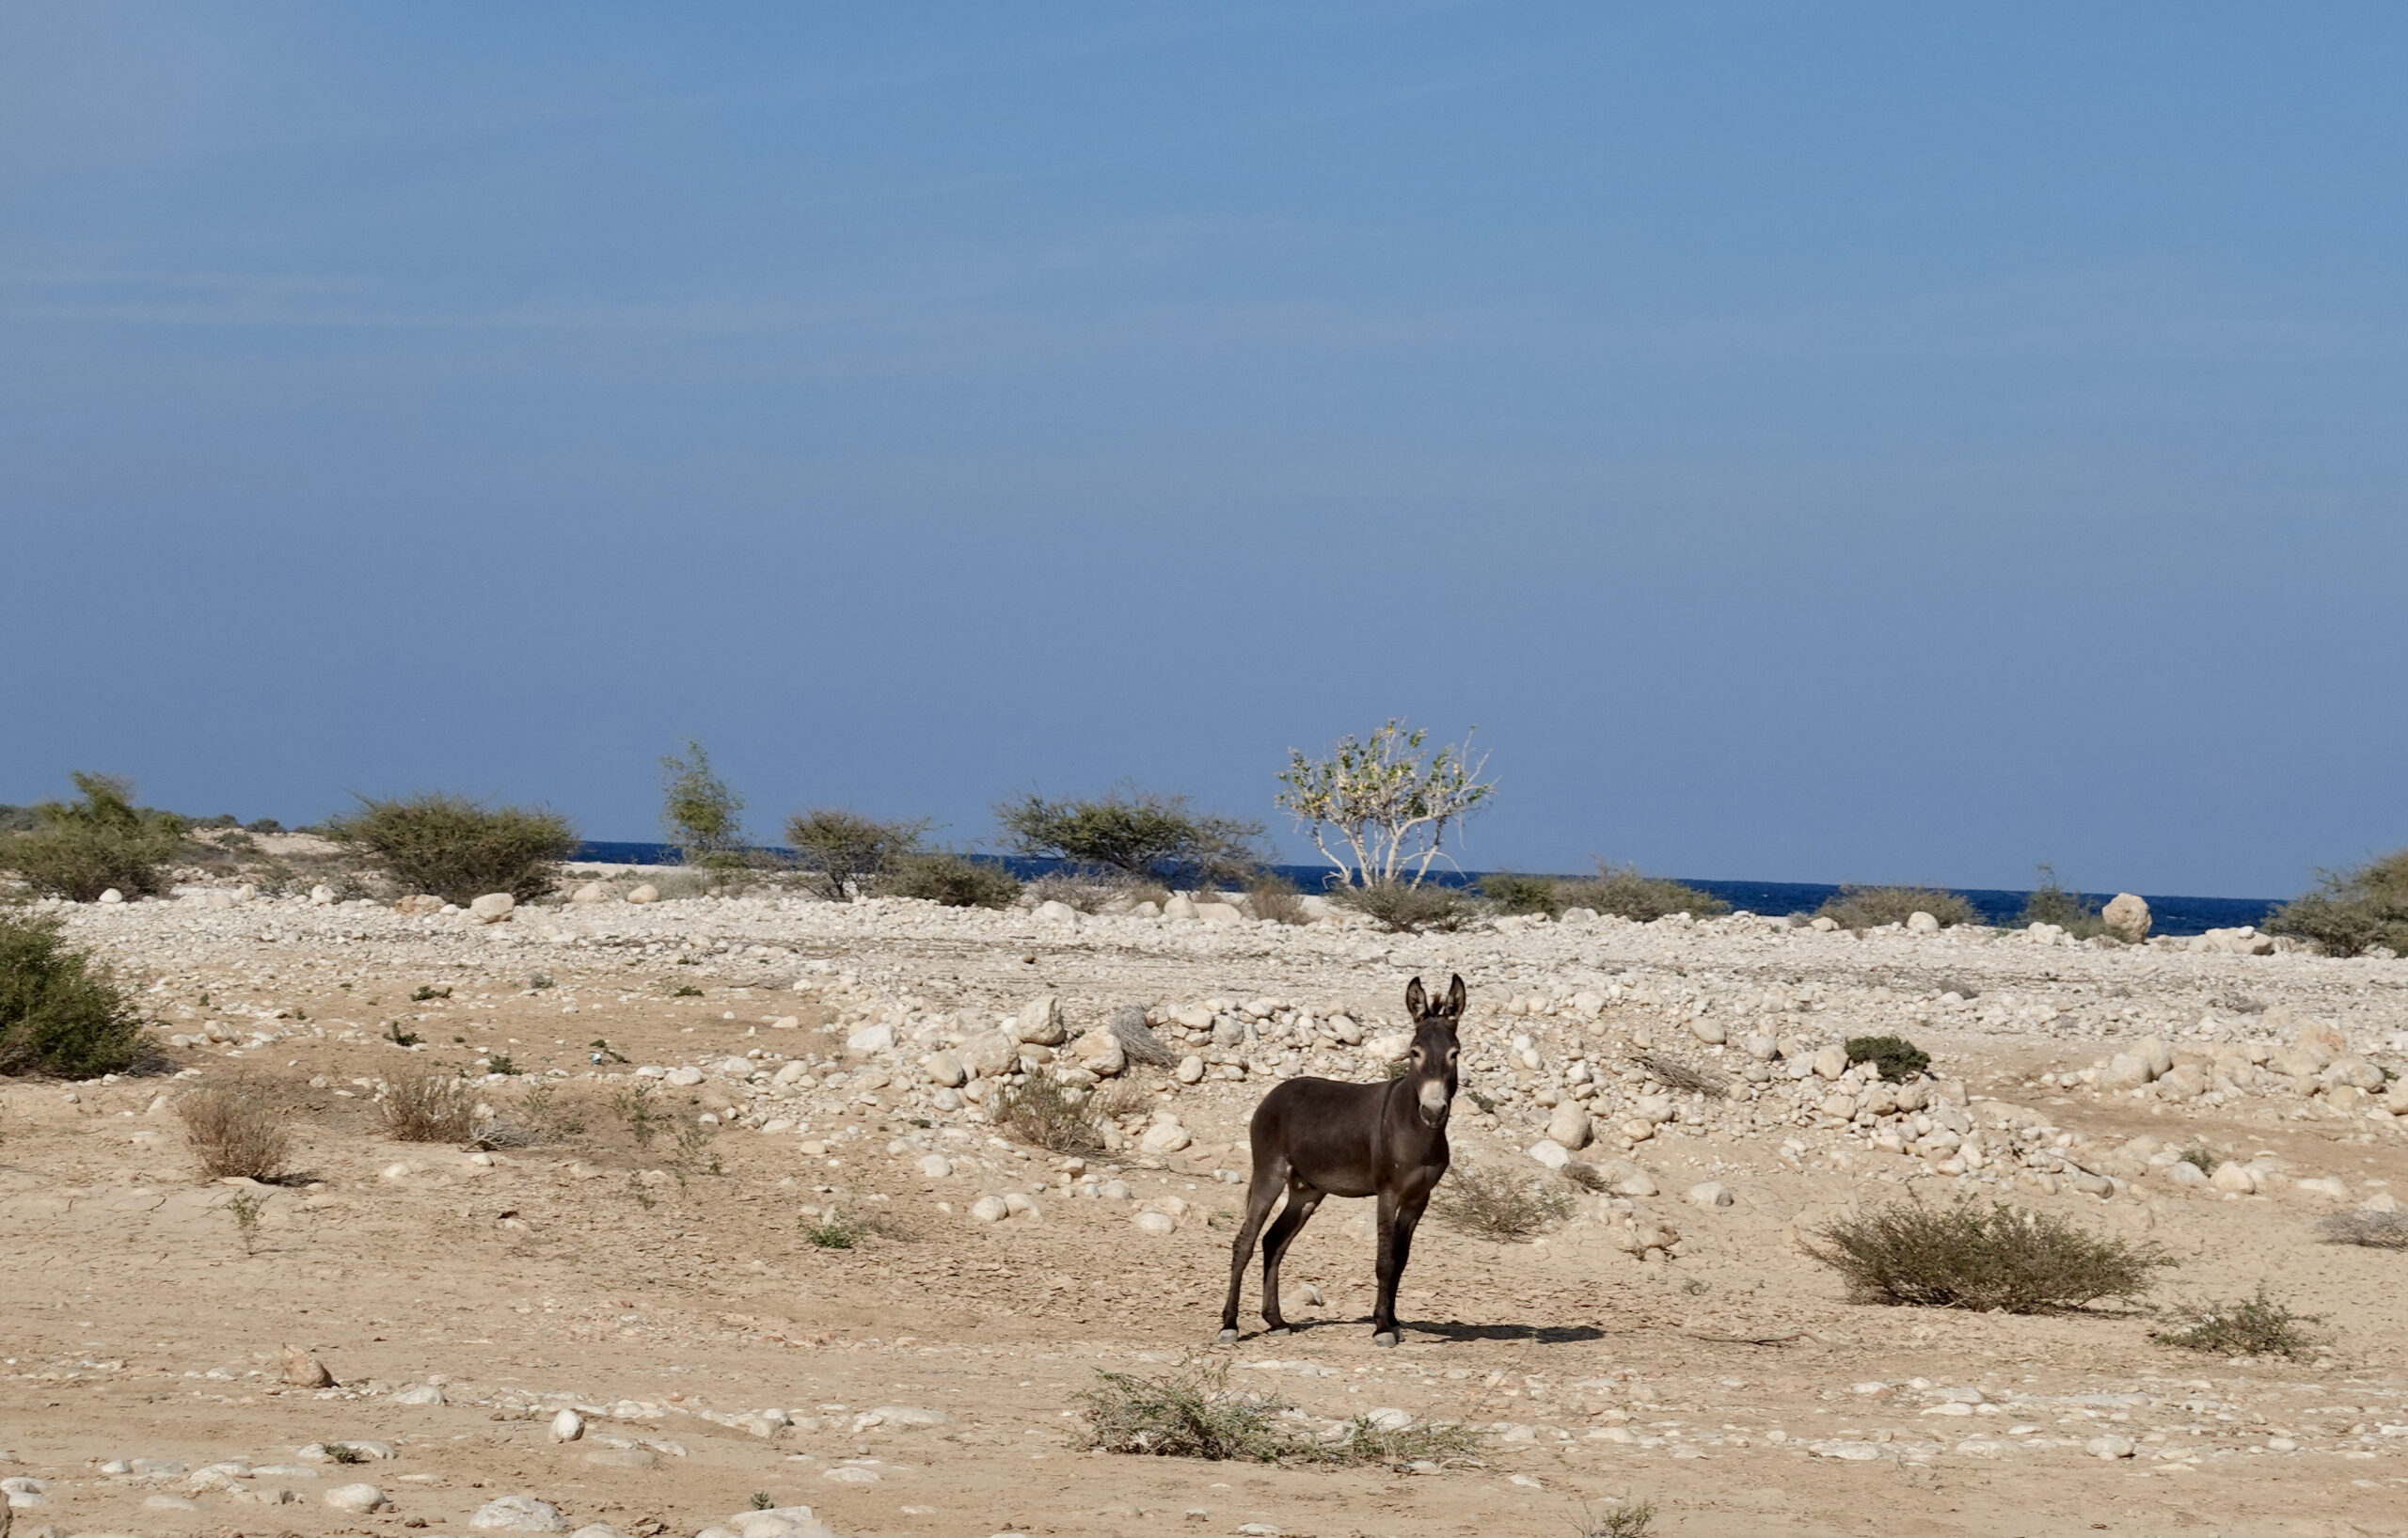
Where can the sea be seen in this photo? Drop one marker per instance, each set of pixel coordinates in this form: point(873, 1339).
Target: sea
point(2169, 914)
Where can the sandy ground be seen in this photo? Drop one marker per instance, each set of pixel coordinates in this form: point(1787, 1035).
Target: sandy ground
point(671, 1292)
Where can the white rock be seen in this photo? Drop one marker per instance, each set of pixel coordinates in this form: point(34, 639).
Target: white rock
point(2127, 915)
point(316, 1451)
point(1054, 911)
point(113, 895)
point(906, 1415)
point(988, 1053)
point(1179, 906)
point(646, 892)
point(1708, 1030)
point(1709, 1194)
point(1190, 1070)
point(682, 1078)
point(1569, 1128)
point(1920, 922)
point(567, 1426)
point(1156, 1223)
point(592, 892)
point(1550, 1154)
point(1101, 1053)
point(1657, 1109)
point(492, 908)
point(1039, 1021)
point(2109, 1446)
point(936, 1166)
point(1391, 1048)
point(1831, 1062)
point(357, 1498)
point(991, 1210)
point(2234, 1176)
point(425, 1394)
point(1386, 1418)
point(2324, 1185)
point(518, 1513)
point(1164, 1136)
point(871, 1038)
point(792, 1073)
point(851, 1474)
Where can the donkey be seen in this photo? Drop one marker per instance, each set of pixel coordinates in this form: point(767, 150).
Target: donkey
point(1318, 1137)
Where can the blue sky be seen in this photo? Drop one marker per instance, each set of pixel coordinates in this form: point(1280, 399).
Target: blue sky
point(1811, 442)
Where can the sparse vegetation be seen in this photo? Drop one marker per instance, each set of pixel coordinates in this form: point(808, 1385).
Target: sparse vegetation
point(834, 1232)
point(1389, 801)
point(1192, 1412)
point(399, 1037)
point(1044, 1111)
point(1141, 834)
point(1623, 893)
point(1363, 1443)
point(1498, 1207)
point(636, 1106)
point(1898, 1058)
point(954, 880)
point(500, 1063)
point(79, 850)
point(457, 848)
point(245, 1207)
point(702, 816)
point(61, 1012)
point(844, 853)
point(1870, 907)
point(433, 1108)
point(2051, 902)
point(2375, 1230)
point(425, 992)
point(1968, 1256)
point(1512, 893)
point(237, 1128)
point(2352, 912)
point(1088, 893)
point(1623, 1519)
point(343, 1453)
point(2261, 1325)
point(1273, 897)
point(1673, 1073)
point(1404, 907)
point(2199, 1158)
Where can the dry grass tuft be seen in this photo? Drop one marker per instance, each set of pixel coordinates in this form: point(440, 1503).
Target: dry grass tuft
point(2375, 1230)
point(1623, 1519)
point(1044, 1111)
point(237, 1129)
point(1675, 1075)
point(1193, 1413)
point(1966, 1256)
point(1273, 897)
point(1496, 1207)
point(434, 1109)
point(1401, 908)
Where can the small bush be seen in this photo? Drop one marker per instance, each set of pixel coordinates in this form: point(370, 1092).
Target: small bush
point(954, 881)
point(2375, 1230)
point(1623, 1519)
point(1273, 897)
point(1689, 1078)
point(237, 1128)
point(1086, 894)
point(458, 849)
point(2255, 1326)
point(2051, 902)
point(2352, 912)
point(834, 1231)
point(1190, 1413)
point(844, 853)
point(2198, 1158)
point(1497, 1206)
point(1899, 1059)
point(1139, 833)
point(1625, 894)
point(1517, 894)
point(702, 818)
point(1402, 907)
point(343, 1453)
point(1870, 907)
point(1965, 1257)
point(61, 1012)
point(437, 1108)
point(1044, 1111)
point(1360, 1443)
point(79, 850)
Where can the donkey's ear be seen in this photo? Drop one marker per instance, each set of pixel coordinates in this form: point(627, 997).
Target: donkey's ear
point(1456, 997)
point(1416, 1002)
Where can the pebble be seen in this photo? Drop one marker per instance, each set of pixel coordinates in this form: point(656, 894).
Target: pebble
point(567, 1426)
point(2109, 1446)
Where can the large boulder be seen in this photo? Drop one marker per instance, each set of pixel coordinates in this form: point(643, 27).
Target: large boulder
point(1039, 1021)
point(1569, 1126)
point(2127, 916)
point(988, 1053)
point(493, 908)
point(1100, 1052)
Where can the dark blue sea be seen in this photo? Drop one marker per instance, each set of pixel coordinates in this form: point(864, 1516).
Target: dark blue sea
point(2169, 914)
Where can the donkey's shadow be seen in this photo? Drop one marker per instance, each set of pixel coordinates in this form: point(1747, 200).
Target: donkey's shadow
point(1545, 1334)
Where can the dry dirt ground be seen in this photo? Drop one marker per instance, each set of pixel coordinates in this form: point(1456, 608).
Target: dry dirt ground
point(671, 1291)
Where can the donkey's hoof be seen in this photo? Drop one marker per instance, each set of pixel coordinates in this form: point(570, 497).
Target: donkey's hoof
point(1385, 1337)
point(1229, 1338)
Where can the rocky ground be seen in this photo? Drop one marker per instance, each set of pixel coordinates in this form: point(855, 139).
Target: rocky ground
point(635, 1246)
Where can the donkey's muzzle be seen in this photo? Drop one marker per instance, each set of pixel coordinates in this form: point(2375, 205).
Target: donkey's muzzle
point(1432, 1101)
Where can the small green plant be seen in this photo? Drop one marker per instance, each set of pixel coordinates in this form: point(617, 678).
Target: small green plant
point(2051, 902)
point(457, 848)
point(1496, 1207)
point(1487, 1106)
point(762, 1501)
point(2197, 1156)
point(81, 848)
point(604, 1052)
point(343, 1453)
point(952, 880)
point(237, 1128)
point(544, 1118)
point(1188, 1413)
point(1517, 894)
point(1139, 833)
point(2374, 1231)
point(499, 1063)
point(641, 1197)
point(245, 1207)
point(1898, 1058)
point(432, 1109)
point(1623, 893)
point(1870, 907)
point(2352, 912)
point(1402, 907)
point(2261, 1325)
point(1623, 1519)
point(638, 1109)
point(1966, 1256)
point(692, 1152)
point(401, 1037)
point(699, 812)
point(844, 853)
point(425, 992)
point(1044, 1111)
point(683, 991)
point(61, 1012)
point(834, 1232)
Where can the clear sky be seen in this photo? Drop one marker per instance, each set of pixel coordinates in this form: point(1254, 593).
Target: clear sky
point(1812, 442)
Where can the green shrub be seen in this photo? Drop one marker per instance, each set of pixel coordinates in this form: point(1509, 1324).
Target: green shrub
point(1402, 907)
point(1899, 1057)
point(456, 848)
point(60, 1013)
point(1088, 893)
point(1139, 833)
point(2255, 1326)
point(18, 820)
point(2352, 912)
point(1870, 907)
point(2198, 1158)
point(1518, 894)
point(1625, 894)
point(81, 848)
point(1496, 1207)
point(846, 852)
point(2051, 902)
point(1271, 896)
point(953, 880)
point(699, 812)
point(1965, 1257)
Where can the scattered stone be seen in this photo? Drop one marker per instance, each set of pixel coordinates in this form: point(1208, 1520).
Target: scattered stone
point(1040, 1022)
point(518, 1513)
point(493, 908)
point(2109, 1446)
point(871, 1038)
point(425, 1394)
point(1548, 1151)
point(1569, 1127)
point(1156, 1223)
point(936, 1166)
point(1709, 1194)
point(567, 1426)
point(303, 1371)
point(359, 1499)
point(1920, 922)
point(645, 892)
point(592, 892)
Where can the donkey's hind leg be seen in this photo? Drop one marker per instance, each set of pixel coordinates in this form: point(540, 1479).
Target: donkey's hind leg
point(1269, 1175)
point(1302, 1199)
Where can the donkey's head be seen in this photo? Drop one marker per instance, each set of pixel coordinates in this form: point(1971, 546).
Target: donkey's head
point(1432, 1064)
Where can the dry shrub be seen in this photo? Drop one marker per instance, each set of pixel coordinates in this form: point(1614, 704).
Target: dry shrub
point(79, 850)
point(1626, 894)
point(1193, 1413)
point(1514, 892)
point(1402, 907)
point(1870, 907)
point(1086, 894)
point(1623, 1519)
point(2255, 1326)
point(1965, 1255)
point(2353, 910)
point(1270, 895)
point(1675, 1075)
point(237, 1128)
point(1495, 1206)
point(2375, 1230)
point(437, 1108)
point(952, 880)
point(1044, 1111)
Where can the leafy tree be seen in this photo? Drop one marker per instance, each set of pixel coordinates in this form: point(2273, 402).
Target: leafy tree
point(81, 848)
point(1137, 833)
point(59, 1013)
point(2353, 910)
point(701, 814)
point(846, 851)
point(1389, 800)
point(457, 848)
